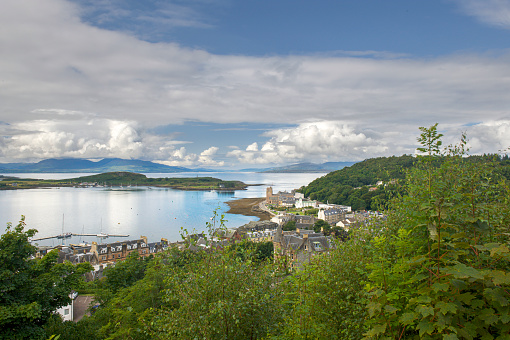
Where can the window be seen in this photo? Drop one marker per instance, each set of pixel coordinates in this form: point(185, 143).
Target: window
point(103, 258)
point(66, 311)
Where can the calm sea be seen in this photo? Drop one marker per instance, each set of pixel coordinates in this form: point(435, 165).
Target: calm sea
point(153, 212)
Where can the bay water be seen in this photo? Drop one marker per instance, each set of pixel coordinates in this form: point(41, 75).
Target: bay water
point(153, 212)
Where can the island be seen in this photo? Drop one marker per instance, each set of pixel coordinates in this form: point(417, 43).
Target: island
point(124, 179)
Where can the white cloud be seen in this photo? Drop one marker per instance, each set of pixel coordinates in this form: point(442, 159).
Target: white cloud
point(122, 87)
point(336, 141)
point(492, 12)
point(489, 137)
point(206, 157)
point(40, 139)
point(318, 141)
point(253, 147)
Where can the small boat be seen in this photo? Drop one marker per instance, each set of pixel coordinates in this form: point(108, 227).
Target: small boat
point(66, 235)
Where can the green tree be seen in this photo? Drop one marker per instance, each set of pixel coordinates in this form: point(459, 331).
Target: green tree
point(322, 226)
point(289, 226)
point(31, 290)
point(220, 296)
point(441, 265)
point(326, 299)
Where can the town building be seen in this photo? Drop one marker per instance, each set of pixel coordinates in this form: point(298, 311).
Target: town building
point(281, 199)
point(304, 203)
point(117, 251)
point(332, 215)
point(295, 248)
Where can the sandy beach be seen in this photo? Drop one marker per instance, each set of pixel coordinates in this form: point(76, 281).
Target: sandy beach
point(248, 207)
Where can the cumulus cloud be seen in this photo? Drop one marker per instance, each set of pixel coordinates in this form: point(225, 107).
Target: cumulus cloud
point(206, 157)
point(317, 141)
point(96, 138)
point(492, 12)
point(337, 141)
point(103, 90)
point(489, 137)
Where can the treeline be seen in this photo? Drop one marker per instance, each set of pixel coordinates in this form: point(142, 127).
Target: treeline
point(351, 185)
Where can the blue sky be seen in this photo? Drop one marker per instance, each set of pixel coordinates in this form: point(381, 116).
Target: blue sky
point(236, 84)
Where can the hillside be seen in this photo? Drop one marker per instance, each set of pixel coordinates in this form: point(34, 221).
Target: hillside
point(350, 185)
point(125, 179)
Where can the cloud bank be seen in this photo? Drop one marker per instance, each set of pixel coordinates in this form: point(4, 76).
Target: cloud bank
point(69, 89)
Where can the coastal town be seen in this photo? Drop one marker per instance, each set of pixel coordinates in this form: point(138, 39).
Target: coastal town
point(298, 229)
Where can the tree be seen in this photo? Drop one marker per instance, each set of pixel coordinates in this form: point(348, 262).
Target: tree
point(31, 290)
point(220, 296)
point(326, 299)
point(441, 265)
point(322, 226)
point(289, 226)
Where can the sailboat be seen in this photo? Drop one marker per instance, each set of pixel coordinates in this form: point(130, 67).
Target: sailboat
point(64, 235)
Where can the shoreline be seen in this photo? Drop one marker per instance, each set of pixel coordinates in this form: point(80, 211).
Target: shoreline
point(248, 207)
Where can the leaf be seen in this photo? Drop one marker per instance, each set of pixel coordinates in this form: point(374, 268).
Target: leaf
point(373, 308)
point(445, 307)
point(425, 310)
point(378, 329)
point(408, 318)
point(451, 336)
point(500, 277)
point(440, 287)
point(425, 327)
point(461, 271)
point(390, 309)
point(488, 316)
point(432, 231)
point(495, 294)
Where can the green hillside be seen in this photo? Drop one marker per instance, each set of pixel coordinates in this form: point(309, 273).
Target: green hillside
point(350, 185)
point(126, 179)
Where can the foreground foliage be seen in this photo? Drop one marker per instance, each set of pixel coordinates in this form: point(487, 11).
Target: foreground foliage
point(441, 269)
point(31, 290)
point(438, 267)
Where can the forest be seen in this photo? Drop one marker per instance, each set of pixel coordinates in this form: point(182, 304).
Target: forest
point(351, 185)
point(437, 267)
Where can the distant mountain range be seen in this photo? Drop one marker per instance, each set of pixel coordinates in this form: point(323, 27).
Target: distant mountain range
point(308, 167)
point(77, 165)
point(84, 165)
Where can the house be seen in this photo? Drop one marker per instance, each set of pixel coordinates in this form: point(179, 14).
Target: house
point(303, 203)
point(228, 234)
point(117, 251)
point(346, 224)
point(296, 248)
point(332, 215)
point(67, 312)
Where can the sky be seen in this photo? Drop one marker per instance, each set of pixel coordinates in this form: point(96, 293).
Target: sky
point(233, 84)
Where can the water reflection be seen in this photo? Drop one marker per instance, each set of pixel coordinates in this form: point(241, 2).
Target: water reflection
point(153, 212)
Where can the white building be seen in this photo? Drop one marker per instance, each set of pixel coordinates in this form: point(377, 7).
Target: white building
point(67, 312)
point(302, 203)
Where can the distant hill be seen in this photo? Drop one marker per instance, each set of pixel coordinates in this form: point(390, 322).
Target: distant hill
point(73, 165)
point(309, 167)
